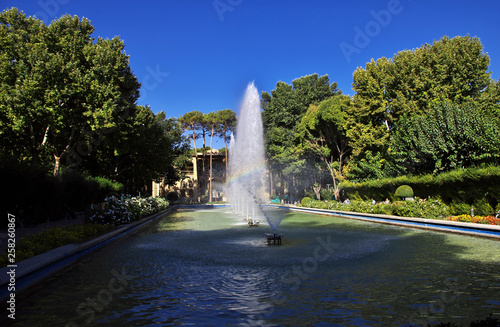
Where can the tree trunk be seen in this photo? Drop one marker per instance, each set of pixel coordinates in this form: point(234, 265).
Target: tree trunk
point(317, 191)
point(196, 186)
point(336, 190)
point(203, 169)
point(211, 152)
point(57, 164)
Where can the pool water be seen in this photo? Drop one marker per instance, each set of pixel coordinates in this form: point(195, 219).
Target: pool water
point(209, 268)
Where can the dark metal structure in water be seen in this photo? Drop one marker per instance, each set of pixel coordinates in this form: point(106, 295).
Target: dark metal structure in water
point(274, 239)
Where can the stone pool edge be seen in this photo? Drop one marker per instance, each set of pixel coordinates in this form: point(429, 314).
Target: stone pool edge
point(31, 271)
point(471, 229)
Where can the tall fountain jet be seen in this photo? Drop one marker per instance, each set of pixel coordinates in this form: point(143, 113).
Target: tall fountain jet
point(247, 164)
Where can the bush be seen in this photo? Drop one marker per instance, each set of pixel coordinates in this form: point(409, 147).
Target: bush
point(404, 191)
point(482, 207)
point(431, 208)
point(305, 201)
point(124, 209)
point(327, 194)
point(461, 186)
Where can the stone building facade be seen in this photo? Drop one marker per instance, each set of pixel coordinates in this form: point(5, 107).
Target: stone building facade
point(194, 187)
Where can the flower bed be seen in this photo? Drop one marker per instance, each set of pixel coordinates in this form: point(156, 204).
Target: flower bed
point(430, 208)
point(125, 209)
point(489, 220)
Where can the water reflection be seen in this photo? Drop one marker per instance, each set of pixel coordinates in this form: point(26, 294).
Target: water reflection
point(204, 268)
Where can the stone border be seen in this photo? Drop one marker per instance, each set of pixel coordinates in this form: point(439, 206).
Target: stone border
point(474, 229)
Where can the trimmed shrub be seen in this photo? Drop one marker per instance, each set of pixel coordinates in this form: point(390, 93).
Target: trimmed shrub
point(404, 191)
point(305, 201)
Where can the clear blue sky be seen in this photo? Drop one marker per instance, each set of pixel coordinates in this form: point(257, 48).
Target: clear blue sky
point(201, 54)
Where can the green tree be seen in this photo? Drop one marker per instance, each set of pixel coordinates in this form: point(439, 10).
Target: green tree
point(227, 124)
point(446, 137)
point(190, 121)
point(489, 100)
point(58, 85)
point(213, 121)
point(283, 110)
point(408, 84)
point(368, 117)
point(323, 132)
point(455, 69)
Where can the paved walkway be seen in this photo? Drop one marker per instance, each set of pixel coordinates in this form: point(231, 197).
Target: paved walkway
point(23, 231)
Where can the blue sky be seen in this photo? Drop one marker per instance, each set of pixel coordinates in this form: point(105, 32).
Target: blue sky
point(201, 54)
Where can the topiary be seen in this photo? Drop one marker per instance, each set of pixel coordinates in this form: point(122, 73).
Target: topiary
point(305, 201)
point(404, 191)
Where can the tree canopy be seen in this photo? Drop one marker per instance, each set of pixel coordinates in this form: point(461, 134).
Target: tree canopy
point(430, 109)
point(68, 100)
point(323, 133)
point(447, 136)
point(283, 110)
point(386, 89)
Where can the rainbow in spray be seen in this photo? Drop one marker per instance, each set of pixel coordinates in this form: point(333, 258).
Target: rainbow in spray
point(246, 187)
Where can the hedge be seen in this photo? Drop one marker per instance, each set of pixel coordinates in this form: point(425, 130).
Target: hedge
point(463, 188)
point(34, 197)
point(419, 208)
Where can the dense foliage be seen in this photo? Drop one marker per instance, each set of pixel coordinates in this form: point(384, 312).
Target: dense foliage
point(426, 111)
point(387, 89)
point(446, 137)
point(283, 110)
point(461, 189)
point(35, 197)
point(119, 210)
point(418, 208)
point(68, 101)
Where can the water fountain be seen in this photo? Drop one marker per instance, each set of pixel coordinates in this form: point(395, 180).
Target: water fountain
point(246, 189)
